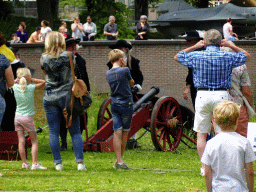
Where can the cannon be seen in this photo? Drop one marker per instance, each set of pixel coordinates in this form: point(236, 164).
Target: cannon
point(9, 144)
point(160, 116)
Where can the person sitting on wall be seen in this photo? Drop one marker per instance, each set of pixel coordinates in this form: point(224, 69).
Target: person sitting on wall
point(90, 30)
point(111, 29)
point(64, 24)
point(35, 37)
point(22, 34)
point(15, 39)
point(81, 73)
point(132, 64)
point(228, 31)
point(142, 28)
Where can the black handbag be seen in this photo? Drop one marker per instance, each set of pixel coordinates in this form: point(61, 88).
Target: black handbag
point(79, 100)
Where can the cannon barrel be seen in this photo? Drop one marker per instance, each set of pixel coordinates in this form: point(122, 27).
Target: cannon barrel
point(147, 97)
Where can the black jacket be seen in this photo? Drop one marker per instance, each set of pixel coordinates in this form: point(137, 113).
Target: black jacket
point(135, 70)
point(80, 70)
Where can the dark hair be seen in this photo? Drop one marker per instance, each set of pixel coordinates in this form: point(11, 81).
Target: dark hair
point(38, 28)
point(22, 26)
point(2, 39)
point(14, 34)
point(45, 22)
point(63, 22)
point(228, 19)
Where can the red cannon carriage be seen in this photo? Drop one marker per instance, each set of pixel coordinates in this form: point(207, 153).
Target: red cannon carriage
point(163, 117)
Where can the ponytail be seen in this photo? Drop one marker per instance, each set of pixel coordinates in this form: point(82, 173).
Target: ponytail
point(23, 84)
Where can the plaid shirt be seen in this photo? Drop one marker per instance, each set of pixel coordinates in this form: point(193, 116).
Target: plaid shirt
point(212, 68)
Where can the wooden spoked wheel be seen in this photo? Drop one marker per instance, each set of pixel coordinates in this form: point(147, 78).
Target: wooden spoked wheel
point(166, 124)
point(104, 113)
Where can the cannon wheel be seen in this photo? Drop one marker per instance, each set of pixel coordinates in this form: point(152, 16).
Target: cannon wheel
point(104, 113)
point(166, 124)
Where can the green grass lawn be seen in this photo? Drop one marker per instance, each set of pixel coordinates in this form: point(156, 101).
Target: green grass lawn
point(152, 170)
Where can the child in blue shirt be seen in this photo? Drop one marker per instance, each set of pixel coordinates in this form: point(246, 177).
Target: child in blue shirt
point(120, 82)
point(24, 95)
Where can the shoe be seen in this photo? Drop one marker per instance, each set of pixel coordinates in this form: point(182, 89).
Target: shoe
point(25, 166)
point(1, 175)
point(59, 167)
point(63, 147)
point(123, 166)
point(115, 164)
point(81, 167)
point(37, 166)
point(202, 172)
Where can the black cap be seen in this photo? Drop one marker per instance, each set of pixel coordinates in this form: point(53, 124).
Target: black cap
point(69, 40)
point(121, 43)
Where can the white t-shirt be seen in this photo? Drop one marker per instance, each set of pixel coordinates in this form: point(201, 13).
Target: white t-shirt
point(227, 27)
point(227, 154)
point(45, 31)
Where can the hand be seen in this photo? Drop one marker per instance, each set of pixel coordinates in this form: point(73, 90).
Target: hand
point(123, 62)
point(138, 87)
point(200, 44)
point(28, 78)
point(114, 34)
point(225, 43)
point(185, 93)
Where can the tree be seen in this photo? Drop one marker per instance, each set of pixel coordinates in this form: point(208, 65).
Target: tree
point(6, 9)
point(100, 10)
point(141, 7)
point(47, 10)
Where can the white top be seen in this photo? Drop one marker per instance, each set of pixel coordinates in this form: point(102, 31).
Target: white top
point(45, 31)
point(77, 34)
point(227, 154)
point(227, 27)
point(90, 28)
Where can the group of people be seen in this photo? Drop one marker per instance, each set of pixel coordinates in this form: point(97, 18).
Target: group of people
point(57, 89)
point(21, 35)
point(84, 32)
point(229, 156)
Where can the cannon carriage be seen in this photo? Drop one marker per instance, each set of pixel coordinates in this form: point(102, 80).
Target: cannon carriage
point(163, 117)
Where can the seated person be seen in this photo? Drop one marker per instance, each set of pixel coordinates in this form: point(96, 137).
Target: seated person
point(90, 30)
point(35, 37)
point(142, 28)
point(15, 39)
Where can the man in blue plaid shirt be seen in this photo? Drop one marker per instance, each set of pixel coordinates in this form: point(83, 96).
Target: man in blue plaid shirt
point(212, 70)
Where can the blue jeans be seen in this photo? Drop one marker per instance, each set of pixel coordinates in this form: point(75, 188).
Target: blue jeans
point(54, 111)
point(2, 108)
point(121, 116)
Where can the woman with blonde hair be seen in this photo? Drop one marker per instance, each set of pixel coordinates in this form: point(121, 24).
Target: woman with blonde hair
point(24, 96)
point(56, 67)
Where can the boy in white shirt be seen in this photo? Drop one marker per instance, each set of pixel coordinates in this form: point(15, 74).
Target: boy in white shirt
point(228, 157)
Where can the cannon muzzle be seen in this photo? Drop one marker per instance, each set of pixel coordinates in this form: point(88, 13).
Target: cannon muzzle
point(147, 97)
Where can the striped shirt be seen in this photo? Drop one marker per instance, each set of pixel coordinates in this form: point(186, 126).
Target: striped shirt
point(212, 68)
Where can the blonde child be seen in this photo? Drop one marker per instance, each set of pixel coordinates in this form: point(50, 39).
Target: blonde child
point(120, 81)
point(24, 95)
point(228, 157)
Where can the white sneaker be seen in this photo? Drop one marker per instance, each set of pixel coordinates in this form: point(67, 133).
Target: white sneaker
point(37, 166)
point(202, 172)
point(81, 167)
point(1, 175)
point(25, 166)
point(59, 167)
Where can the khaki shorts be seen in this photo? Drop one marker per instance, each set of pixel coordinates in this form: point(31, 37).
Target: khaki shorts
point(205, 102)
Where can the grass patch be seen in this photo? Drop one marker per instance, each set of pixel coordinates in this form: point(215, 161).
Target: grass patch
point(152, 170)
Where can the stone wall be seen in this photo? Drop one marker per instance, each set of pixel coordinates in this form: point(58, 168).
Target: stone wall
point(156, 62)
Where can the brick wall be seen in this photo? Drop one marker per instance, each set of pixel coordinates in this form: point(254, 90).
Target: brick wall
point(156, 62)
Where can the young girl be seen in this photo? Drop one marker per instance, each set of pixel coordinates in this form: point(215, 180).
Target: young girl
point(24, 95)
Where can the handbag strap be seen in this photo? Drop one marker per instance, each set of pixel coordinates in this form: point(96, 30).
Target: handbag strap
point(238, 91)
point(71, 65)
